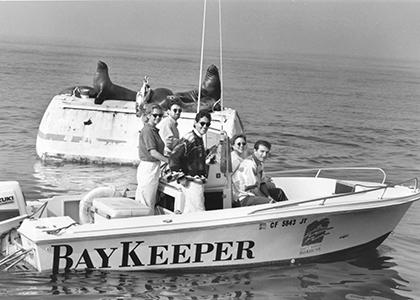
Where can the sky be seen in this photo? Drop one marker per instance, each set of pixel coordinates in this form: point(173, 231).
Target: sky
point(375, 28)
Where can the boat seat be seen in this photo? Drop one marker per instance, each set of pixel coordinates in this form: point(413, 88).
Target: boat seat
point(119, 207)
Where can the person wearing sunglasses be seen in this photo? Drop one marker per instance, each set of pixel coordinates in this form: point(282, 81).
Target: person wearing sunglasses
point(168, 128)
point(190, 159)
point(239, 152)
point(250, 184)
point(151, 149)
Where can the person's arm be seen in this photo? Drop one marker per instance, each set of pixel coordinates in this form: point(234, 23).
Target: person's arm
point(167, 134)
point(177, 157)
point(165, 131)
point(246, 177)
point(154, 153)
point(264, 190)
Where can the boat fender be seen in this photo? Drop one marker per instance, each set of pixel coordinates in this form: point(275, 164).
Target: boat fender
point(86, 202)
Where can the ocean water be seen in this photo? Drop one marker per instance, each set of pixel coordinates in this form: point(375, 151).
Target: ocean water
point(318, 111)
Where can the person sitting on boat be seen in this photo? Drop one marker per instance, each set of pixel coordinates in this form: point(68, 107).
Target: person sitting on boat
point(168, 128)
point(190, 159)
point(250, 185)
point(151, 149)
point(239, 150)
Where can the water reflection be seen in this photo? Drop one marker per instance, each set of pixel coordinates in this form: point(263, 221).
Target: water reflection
point(61, 178)
point(370, 276)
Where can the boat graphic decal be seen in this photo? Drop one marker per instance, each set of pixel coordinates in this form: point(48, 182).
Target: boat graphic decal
point(131, 254)
point(316, 231)
point(314, 235)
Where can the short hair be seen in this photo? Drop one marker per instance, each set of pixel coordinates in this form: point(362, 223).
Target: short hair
point(202, 114)
point(262, 142)
point(237, 136)
point(173, 101)
point(150, 108)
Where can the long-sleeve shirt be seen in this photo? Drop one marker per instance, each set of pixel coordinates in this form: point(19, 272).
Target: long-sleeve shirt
point(236, 161)
point(168, 130)
point(248, 178)
point(189, 156)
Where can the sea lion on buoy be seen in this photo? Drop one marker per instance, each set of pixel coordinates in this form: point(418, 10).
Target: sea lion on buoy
point(106, 89)
point(210, 94)
point(103, 89)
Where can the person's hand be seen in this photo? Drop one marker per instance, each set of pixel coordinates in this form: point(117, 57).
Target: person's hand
point(210, 159)
point(183, 181)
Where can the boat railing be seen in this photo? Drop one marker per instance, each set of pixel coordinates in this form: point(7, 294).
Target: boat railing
point(367, 189)
point(318, 171)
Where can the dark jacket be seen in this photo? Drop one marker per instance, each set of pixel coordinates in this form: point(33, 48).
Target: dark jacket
point(189, 156)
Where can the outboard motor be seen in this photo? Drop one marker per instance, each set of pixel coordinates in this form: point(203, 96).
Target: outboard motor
point(12, 202)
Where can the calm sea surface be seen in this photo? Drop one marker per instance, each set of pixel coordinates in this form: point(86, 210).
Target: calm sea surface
point(319, 111)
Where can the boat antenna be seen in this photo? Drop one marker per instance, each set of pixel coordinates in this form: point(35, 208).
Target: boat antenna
point(202, 54)
point(221, 55)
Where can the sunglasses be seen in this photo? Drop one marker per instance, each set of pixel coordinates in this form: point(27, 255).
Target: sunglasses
point(175, 110)
point(157, 115)
point(240, 144)
point(205, 124)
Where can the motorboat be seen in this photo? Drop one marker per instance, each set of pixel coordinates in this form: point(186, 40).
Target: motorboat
point(106, 229)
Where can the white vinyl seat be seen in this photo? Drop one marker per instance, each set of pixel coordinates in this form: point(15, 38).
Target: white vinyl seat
point(119, 207)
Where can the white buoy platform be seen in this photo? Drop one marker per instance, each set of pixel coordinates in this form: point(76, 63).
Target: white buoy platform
point(76, 129)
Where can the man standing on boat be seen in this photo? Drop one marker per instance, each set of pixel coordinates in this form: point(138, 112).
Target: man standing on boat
point(250, 185)
point(168, 127)
point(190, 159)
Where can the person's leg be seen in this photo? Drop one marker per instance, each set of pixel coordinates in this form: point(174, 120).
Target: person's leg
point(277, 194)
point(147, 182)
point(194, 197)
point(254, 200)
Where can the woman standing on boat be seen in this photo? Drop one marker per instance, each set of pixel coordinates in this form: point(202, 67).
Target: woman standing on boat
point(239, 152)
point(151, 149)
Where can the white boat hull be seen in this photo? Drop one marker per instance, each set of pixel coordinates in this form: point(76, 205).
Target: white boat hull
point(232, 237)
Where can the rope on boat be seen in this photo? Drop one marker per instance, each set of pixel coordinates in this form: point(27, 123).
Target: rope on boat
point(202, 54)
point(40, 209)
point(14, 258)
point(220, 55)
point(58, 230)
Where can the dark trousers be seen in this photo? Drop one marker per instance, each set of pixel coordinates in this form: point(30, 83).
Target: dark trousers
point(277, 194)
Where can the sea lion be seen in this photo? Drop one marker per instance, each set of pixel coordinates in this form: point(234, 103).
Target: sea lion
point(210, 94)
point(103, 89)
point(106, 89)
